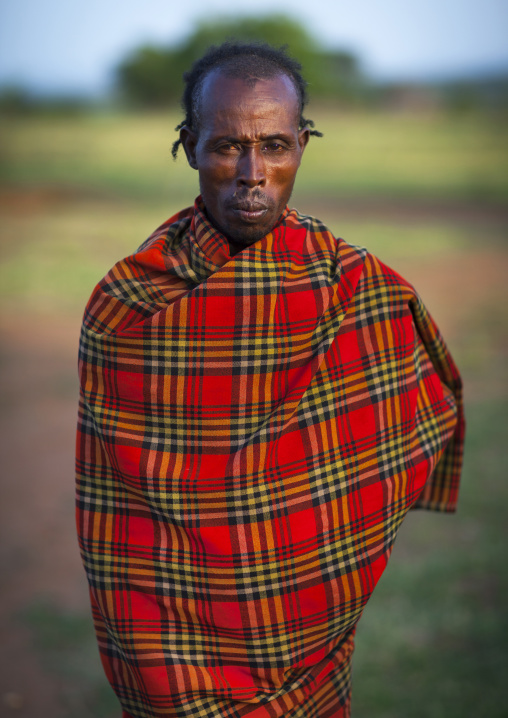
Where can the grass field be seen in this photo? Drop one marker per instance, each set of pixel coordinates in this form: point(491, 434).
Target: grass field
point(431, 156)
point(428, 195)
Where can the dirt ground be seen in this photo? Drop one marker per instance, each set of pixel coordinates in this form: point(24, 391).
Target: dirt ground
point(38, 389)
point(38, 551)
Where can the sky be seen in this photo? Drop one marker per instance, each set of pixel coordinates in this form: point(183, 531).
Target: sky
point(73, 46)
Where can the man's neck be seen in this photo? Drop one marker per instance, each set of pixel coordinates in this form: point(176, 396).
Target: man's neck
point(235, 247)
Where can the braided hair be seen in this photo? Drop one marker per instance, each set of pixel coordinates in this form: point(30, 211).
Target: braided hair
point(249, 61)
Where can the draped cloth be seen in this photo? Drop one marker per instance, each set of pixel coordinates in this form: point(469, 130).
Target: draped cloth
point(252, 431)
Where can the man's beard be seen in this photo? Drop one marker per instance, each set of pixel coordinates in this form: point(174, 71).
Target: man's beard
point(246, 233)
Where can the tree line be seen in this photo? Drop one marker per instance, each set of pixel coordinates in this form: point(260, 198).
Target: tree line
point(152, 76)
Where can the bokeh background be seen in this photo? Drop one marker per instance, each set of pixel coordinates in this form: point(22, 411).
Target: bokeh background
point(412, 99)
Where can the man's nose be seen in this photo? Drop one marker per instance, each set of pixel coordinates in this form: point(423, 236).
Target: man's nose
point(251, 168)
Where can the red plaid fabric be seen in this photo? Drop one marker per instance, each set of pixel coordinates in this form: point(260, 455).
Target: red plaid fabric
point(252, 432)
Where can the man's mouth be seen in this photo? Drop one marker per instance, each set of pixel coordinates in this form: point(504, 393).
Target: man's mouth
point(249, 211)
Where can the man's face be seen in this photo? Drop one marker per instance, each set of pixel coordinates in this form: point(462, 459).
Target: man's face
point(247, 152)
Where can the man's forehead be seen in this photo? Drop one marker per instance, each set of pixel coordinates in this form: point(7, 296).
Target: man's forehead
point(221, 88)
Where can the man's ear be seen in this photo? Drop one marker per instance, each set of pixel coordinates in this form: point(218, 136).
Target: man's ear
point(189, 140)
point(303, 138)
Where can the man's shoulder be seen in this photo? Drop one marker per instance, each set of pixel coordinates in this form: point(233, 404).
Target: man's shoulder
point(139, 284)
point(307, 221)
point(376, 274)
point(377, 271)
point(170, 229)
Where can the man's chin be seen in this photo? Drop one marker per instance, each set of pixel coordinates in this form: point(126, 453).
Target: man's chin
point(243, 233)
point(246, 233)
point(247, 238)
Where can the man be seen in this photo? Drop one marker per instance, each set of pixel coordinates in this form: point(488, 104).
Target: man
point(261, 405)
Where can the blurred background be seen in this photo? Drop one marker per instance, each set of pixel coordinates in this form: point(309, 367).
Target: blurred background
point(412, 99)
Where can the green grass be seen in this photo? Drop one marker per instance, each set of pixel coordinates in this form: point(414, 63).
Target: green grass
point(53, 259)
point(433, 156)
point(119, 155)
point(66, 643)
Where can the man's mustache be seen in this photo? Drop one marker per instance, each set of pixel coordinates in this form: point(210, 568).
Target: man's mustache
point(249, 200)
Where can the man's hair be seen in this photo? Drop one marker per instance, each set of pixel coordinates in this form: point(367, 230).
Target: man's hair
point(248, 61)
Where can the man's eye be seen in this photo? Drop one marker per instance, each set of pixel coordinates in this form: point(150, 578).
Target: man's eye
point(227, 148)
point(274, 147)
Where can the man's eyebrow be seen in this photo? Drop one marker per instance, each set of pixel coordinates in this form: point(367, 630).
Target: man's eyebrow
point(262, 138)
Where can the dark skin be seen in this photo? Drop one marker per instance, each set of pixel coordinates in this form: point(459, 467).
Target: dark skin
point(247, 150)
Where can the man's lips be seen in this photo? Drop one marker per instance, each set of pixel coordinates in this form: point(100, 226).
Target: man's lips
point(250, 211)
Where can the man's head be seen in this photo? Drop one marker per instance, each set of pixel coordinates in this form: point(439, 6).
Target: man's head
point(245, 134)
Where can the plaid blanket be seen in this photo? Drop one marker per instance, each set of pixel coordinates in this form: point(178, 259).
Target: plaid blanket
point(252, 432)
